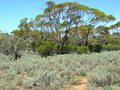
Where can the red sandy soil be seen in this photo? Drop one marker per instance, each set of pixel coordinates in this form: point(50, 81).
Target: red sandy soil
point(82, 85)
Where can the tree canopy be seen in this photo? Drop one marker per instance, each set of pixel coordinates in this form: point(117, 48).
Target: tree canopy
point(68, 24)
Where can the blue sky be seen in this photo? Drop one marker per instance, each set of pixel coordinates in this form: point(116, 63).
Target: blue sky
point(12, 11)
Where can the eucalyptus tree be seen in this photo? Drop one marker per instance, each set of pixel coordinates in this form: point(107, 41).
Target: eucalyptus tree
point(89, 20)
point(102, 33)
point(39, 24)
point(23, 29)
point(85, 20)
point(60, 20)
point(23, 23)
point(115, 28)
point(66, 23)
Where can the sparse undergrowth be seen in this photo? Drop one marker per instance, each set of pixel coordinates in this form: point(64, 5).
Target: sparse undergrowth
point(61, 71)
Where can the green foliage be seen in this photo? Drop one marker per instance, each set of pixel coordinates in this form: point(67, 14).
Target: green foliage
point(98, 48)
point(68, 48)
point(110, 47)
point(12, 46)
point(57, 31)
point(82, 49)
point(95, 48)
point(66, 29)
point(114, 39)
point(47, 48)
point(91, 48)
point(20, 45)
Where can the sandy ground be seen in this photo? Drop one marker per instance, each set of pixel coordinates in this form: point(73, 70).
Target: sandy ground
point(82, 85)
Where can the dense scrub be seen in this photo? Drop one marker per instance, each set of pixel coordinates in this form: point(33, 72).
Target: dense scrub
point(63, 28)
point(61, 71)
point(69, 28)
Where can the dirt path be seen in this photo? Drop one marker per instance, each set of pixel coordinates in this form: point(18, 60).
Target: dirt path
point(82, 85)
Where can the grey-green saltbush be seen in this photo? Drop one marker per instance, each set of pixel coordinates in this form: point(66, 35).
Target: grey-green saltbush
point(56, 71)
point(111, 88)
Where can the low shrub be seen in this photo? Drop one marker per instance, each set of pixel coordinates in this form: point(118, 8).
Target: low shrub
point(91, 48)
point(111, 88)
point(59, 72)
point(110, 47)
point(68, 48)
point(82, 49)
point(98, 48)
point(95, 48)
point(47, 48)
point(104, 76)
